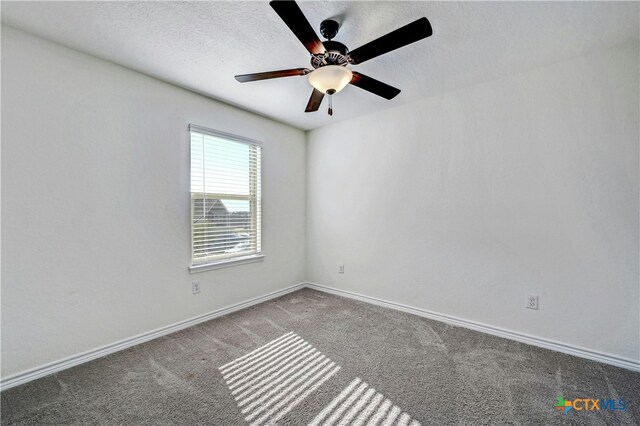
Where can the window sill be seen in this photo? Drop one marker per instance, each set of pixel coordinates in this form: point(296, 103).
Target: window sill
point(225, 263)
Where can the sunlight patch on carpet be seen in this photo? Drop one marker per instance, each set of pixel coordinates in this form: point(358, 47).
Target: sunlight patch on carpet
point(360, 404)
point(270, 381)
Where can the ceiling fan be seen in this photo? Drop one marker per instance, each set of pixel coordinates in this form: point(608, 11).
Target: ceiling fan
point(329, 58)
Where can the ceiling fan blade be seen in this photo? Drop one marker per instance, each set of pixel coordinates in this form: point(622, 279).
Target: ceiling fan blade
point(290, 13)
point(244, 78)
point(417, 30)
point(374, 86)
point(314, 101)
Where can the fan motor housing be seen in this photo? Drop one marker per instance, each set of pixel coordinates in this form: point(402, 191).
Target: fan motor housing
point(336, 54)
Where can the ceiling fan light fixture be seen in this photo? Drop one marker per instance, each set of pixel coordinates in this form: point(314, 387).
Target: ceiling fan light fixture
point(330, 78)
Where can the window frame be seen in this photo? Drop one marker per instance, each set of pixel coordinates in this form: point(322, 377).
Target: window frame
point(255, 203)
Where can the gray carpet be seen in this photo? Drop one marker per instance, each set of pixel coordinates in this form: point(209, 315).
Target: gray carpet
point(313, 358)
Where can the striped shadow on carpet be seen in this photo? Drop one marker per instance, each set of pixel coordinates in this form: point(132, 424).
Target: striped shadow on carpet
point(269, 382)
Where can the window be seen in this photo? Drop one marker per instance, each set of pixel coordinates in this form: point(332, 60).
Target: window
point(225, 199)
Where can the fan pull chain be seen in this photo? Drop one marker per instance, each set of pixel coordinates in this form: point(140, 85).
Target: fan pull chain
point(330, 105)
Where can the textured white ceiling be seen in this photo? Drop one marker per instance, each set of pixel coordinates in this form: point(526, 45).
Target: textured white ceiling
point(202, 45)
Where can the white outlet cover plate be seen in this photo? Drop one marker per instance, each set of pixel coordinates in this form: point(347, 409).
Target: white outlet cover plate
point(531, 301)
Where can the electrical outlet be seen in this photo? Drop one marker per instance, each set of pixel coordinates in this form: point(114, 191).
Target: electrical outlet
point(531, 302)
point(195, 287)
point(341, 269)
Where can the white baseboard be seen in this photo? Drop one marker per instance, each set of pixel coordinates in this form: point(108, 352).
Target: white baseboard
point(72, 361)
point(627, 363)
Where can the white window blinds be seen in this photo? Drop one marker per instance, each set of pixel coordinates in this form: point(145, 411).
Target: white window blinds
point(225, 196)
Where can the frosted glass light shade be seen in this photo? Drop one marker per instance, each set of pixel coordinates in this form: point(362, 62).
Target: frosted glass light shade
point(330, 77)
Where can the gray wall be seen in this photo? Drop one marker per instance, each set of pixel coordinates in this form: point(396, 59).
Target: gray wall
point(464, 203)
point(95, 204)
point(460, 204)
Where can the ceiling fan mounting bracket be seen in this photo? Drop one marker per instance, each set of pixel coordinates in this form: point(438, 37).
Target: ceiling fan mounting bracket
point(329, 28)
